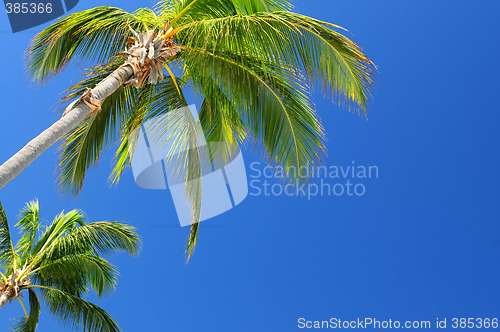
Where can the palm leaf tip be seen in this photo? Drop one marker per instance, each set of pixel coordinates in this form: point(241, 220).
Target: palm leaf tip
point(110, 236)
point(192, 239)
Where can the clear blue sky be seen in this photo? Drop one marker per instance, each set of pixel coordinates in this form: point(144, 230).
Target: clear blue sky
point(422, 243)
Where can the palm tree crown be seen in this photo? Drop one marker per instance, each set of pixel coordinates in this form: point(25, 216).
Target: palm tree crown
point(252, 61)
point(61, 266)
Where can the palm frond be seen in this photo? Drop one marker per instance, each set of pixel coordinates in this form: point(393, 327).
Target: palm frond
point(52, 272)
point(62, 224)
point(152, 101)
point(182, 11)
point(82, 147)
point(29, 219)
point(179, 130)
point(95, 34)
point(252, 6)
point(76, 273)
point(8, 257)
point(101, 237)
point(76, 312)
point(29, 324)
point(123, 156)
point(192, 239)
point(273, 103)
point(188, 164)
point(179, 11)
point(221, 122)
point(286, 39)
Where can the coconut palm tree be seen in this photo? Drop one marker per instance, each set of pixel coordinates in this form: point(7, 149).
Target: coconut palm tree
point(61, 266)
point(252, 61)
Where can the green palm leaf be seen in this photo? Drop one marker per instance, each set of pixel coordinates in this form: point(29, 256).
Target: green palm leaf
point(75, 311)
point(291, 40)
point(165, 99)
point(95, 34)
point(30, 323)
point(89, 269)
point(62, 224)
point(28, 223)
point(221, 122)
point(83, 145)
point(103, 237)
point(280, 115)
point(8, 257)
point(183, 135)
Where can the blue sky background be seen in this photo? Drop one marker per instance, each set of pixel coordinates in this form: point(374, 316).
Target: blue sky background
point(422, 243)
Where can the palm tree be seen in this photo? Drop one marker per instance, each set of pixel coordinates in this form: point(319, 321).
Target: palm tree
point(61, 266)
point(252, 61)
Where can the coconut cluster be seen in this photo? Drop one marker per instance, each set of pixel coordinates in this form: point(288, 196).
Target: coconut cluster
point(147, 55)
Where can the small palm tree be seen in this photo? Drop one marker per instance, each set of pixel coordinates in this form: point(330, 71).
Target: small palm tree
point(61, 266)
point(252, 62)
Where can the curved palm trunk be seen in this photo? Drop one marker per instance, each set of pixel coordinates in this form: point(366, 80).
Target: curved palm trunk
point(24, 157)
point(6, 297)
